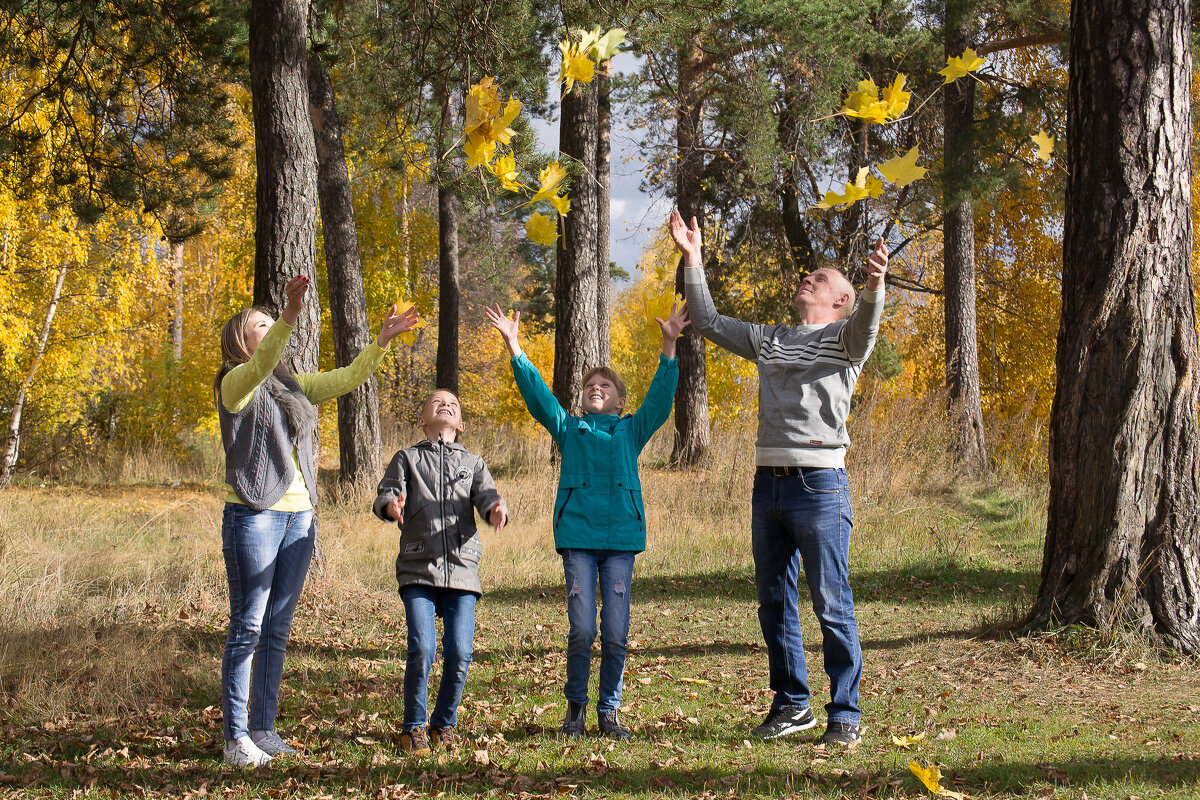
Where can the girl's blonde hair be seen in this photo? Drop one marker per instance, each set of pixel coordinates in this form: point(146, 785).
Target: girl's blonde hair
point(233, 343)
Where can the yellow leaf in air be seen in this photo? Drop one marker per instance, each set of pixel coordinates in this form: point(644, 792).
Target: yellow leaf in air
point(576, 66)
point(658, 304)
point(505, 170)
point(958, 66)
point(548, 180)
point(932, 778)
point(587, 39)
point(608, 44)
point(864, 185)
point(541, 229)
point(902, 170)
point(408, 337)
point(896, 98)
point(907, 741)
point(483, 103)
point(562, 204)
point(1045, 144)
point(479, 151)
point(866, 93)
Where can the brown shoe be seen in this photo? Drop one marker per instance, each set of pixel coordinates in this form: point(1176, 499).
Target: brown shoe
point(446, 737)
point(415, 742)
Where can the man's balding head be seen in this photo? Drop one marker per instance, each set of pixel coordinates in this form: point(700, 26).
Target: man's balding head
point(825, 296)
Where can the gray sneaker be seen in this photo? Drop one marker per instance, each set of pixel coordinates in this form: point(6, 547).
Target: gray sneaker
point(784, 721)
point(271, 743)
point(242, 753)
point(842, 734)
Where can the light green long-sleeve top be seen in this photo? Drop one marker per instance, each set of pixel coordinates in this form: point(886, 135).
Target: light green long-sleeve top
point(240, 383)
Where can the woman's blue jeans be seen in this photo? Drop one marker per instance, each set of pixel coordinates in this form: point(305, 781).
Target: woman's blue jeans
point(805, 520)
point(457, 610)
point(267, 554)
point(612, 571)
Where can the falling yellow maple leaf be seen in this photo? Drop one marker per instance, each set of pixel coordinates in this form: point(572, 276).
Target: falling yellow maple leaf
point(505, 170)
point(548, 180)
point(541, 229)
point(866, 104)
point(902, 170)
point(483, 103)
point(1045, 144)
point(907, 741)
point(608, 44)
point(932, 778)
point(576, 66)
point(958, 66)
point(479, 150)
point(658, 304)
point(864, 185)
point(410, 336)
point(562, 204)
point(895, 97)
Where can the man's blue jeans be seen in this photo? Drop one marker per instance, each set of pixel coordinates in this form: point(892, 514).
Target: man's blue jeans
point(805, 520)
point(457, 610)
point(266, 560)
point(612, 571)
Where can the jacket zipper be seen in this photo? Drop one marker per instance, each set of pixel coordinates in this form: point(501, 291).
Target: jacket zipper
point(563, 508)
point(633, 500)
point(442, 507)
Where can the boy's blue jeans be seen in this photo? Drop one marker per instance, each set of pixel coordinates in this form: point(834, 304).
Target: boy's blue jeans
point(266, 560)
point(612, 571)
point(805, 520)
point(457, 609)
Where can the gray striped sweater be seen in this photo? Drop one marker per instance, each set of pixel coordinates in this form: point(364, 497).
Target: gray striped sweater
point(806, 374)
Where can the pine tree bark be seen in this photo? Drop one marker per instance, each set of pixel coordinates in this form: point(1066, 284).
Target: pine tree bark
point(576, 327)
point(692, 436)
point(962, 347)
point(448, 287)
point(603, 217)
point(286, 159)
point(357, 410)
point(1122, 535)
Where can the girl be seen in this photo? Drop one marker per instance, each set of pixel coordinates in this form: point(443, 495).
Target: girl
point(268, 531)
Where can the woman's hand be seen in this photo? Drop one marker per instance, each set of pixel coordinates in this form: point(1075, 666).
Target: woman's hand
point(395, 324)
point(294, 299)
point(507, 327)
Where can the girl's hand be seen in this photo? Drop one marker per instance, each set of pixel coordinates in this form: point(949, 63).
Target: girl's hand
point(672, 326)
point(395, 324)
point(395, 509)
point(294, 299)
point(497, 516)
point(507, 327)
point(688, 240)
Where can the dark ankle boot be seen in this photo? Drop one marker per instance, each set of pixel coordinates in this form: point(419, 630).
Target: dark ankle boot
point(611, 726)
point(576, 719)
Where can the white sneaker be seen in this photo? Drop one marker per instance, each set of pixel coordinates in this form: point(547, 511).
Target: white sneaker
point(271, 743)
point(242, 752)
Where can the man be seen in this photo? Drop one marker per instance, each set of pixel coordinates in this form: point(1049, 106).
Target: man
point(801, 513)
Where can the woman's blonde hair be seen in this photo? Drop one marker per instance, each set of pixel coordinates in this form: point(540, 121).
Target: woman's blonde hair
point(233, 342)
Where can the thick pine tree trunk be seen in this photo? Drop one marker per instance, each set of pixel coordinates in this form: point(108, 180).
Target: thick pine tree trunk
point(1122, 536)
point(576, 327)
point(603, 218)
point(962, 350)
point(692, 436)
point(357, 410)
point(286, 158)
point(448, 288)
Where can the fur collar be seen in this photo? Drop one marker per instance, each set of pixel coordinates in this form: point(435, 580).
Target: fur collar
point(301, 414)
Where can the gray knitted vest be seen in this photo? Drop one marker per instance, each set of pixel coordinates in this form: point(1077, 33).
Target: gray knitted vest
point(259, 439)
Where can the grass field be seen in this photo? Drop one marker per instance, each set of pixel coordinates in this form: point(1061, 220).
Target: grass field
point(112, 615)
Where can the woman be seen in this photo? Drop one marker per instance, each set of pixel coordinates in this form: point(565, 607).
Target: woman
point(268, 420)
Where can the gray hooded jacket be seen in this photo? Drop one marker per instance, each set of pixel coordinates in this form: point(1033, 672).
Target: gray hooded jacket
point(439, 543)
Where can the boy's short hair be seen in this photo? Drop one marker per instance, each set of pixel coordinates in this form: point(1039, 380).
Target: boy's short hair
point(610, 374)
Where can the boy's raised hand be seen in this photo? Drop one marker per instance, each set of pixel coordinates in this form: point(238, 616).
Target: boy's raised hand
point(672, 326)
point(688, 240)
point(293, 294)
point(395, 324)
point(507, 327)
point(395, 509)
point(497, 516)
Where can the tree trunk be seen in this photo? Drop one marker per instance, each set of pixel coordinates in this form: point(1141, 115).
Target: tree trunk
point(603, 218)
point(1122, 533)
point(286, 159)
point(358, 410)
point(692, 435)
point(576, 327)
point(962, 347)
point(12, 443)
point(177, 301)
point(448, 291)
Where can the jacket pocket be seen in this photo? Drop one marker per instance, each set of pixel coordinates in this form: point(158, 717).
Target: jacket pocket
point(635, 497)
point(564, 497)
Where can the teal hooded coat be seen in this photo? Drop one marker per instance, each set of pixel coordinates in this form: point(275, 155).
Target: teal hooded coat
point(599, 503)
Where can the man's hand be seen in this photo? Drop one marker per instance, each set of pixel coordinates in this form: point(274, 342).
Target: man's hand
point(497, 516)
point(395, 509)
point(507, 327)
point(395, 324)
point(294, 299)
point(877, 265)
point(672, 326)
point(688, 240)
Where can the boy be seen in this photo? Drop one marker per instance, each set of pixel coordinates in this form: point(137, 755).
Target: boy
point(429, 490)
point(599, 521)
